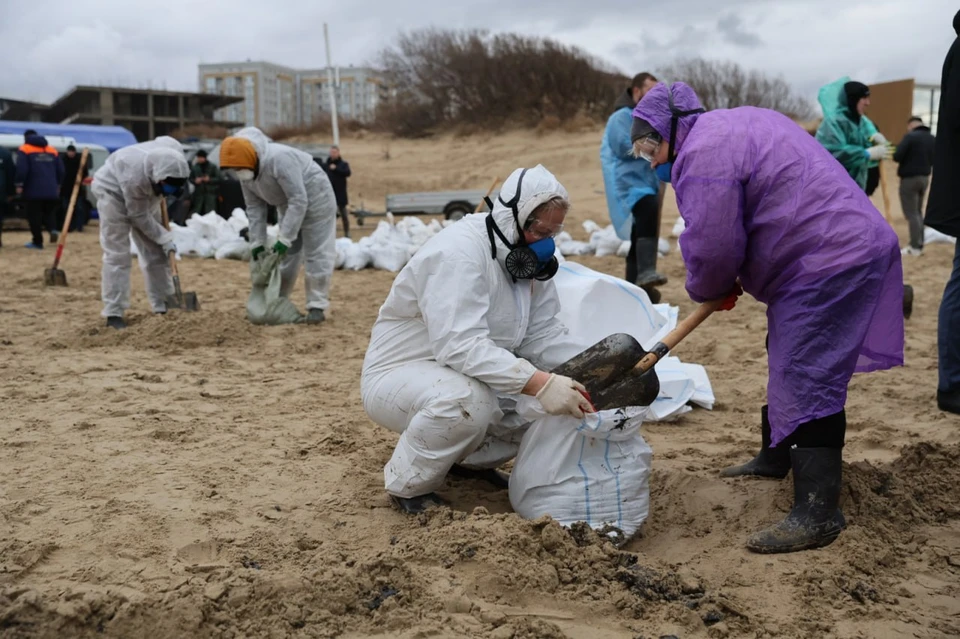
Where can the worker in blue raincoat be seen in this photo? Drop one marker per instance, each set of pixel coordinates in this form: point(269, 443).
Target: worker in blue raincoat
point(633, 191)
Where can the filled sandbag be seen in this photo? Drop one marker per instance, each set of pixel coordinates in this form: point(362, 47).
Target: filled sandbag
point(265, 305)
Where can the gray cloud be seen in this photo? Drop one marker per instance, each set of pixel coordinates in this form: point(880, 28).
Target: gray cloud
point(57, 44)
point(731, 27)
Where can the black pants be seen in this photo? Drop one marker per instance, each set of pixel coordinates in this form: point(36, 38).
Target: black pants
point(4, 210)
point(646, 223)
point(346, 220)
point(42, 214)
point(873, 180)
point(81, 216)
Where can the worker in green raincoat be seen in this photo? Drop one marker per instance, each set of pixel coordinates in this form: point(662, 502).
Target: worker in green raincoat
point(205, 177)
point(847, 133)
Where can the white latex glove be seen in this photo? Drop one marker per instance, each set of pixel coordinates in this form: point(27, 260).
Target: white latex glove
point(879, 139)
point(561, 396)
point(169, 248)
point(878, 152)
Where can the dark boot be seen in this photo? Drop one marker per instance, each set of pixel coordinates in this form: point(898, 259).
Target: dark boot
point(418, 504)
point(815, 519)
point(769, 462)
point(907, 301)
point(116, 322)
point(315, 316)
point(490, 475)
point(647, 276)
point(949, 401)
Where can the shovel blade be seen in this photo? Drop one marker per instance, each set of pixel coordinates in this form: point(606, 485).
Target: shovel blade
point(191, 302)
point(54, 277)
point(173, 302)
point(603, 363)
point(634, 389)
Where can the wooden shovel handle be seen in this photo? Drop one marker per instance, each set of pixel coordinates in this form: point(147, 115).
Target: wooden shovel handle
point(166, 225)
point(73, 203)
point(674, 337)
point(885, 193)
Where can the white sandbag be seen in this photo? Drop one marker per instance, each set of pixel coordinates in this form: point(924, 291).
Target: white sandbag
point(357, 256)
point(663, 247)
point(239, 220)
point(606, 242)
point(189, 242)
point(389, 256)
point(238, 249)
point(264, 305)
point(624, 248)
point(342, 245)
point(595, 470)
point(678, 227)
point(933, 236)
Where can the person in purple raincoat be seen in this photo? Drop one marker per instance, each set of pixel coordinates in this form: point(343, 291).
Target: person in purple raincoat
point(768, 208)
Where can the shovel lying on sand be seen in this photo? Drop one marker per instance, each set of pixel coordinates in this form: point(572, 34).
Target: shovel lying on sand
point(54, 276)
point(185, 301)
point(618, 372)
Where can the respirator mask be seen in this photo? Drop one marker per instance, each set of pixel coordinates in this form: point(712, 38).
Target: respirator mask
point(534, 260)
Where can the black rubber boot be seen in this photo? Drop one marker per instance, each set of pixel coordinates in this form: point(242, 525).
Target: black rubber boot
point(116, 322)
point(815, 520)
point(492, 476)
point(949, 401)
point(647, 276)
point(418, 504)
point(907, 301)
point(769, 462)
point(315, 316)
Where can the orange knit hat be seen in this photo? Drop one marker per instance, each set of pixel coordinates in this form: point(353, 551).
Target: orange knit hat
point(237, 153)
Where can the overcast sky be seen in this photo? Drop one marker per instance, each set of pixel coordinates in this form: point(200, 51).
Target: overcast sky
point(51, 45)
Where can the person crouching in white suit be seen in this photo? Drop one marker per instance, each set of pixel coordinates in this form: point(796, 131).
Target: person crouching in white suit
point(128, 188)
point(290, 180)
point(471, 316)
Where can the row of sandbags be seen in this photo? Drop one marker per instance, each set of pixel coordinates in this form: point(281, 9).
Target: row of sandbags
point(389, 247)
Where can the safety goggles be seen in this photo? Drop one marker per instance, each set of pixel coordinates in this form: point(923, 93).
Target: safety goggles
point(542, 231)
point(647, 147)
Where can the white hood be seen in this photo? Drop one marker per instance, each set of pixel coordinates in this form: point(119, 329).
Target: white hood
point(539, 185)
point(257, 138)
point(162, 162)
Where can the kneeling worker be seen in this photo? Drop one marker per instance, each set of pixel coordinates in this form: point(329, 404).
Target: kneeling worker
point(289, 179)
point(128, 188)
point(473, 314)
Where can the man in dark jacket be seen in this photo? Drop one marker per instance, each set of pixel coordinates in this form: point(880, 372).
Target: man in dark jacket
point(71, 165)
point(8, 172)
point(38, 179)
point(338, 170)
point(914, 156)
point(206, 180)
point(943, 214)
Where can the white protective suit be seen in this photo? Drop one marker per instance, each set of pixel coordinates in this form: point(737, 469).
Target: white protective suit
point(128, 205)
point(290, 180)
point(454, 333)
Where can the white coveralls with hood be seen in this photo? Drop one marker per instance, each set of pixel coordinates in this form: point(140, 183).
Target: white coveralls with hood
point(455, 332)
point(290, 180)
point(129, 205)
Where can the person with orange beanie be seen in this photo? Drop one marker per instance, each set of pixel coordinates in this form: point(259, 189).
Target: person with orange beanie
point(287, 178)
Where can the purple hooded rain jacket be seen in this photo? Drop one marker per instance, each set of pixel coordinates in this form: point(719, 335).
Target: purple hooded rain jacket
point(764, 202)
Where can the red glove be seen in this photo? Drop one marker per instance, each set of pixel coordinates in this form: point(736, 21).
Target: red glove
point(731, 299)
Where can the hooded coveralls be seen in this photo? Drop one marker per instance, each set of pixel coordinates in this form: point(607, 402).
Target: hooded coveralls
point(290, 180)
point(128, 206)
point(844, 133)
point(455, 331)
point(765, 203)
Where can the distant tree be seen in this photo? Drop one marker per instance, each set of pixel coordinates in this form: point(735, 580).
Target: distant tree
point(725, 85)
point(445, 77)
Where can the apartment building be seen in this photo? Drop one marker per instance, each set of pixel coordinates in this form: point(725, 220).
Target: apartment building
point(275, 95)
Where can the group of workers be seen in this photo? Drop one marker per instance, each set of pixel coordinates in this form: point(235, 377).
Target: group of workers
point(469, 321)
point(130, 185)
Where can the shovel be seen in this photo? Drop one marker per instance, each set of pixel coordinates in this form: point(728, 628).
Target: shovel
point(618, 372)
point(185, 301)
point(54, 276)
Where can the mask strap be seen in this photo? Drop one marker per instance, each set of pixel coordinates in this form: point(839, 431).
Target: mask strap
point(675, 116)
point(492, 227)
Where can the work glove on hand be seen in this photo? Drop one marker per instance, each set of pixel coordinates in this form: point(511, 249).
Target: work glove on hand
point(564, 396)
point(256, 252)
point(280, 248)
point(731, 299)
point(879, 139)
point(169, 248)
point(878, 153)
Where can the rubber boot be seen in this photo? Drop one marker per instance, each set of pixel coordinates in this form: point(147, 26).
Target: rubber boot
point(647, 276)
point(907, 301)
point(815, 519)
point(418, 504)
point(769, 462)
point(949, 401)
point(315, 316)
point(492, 476)
point(116, 322)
